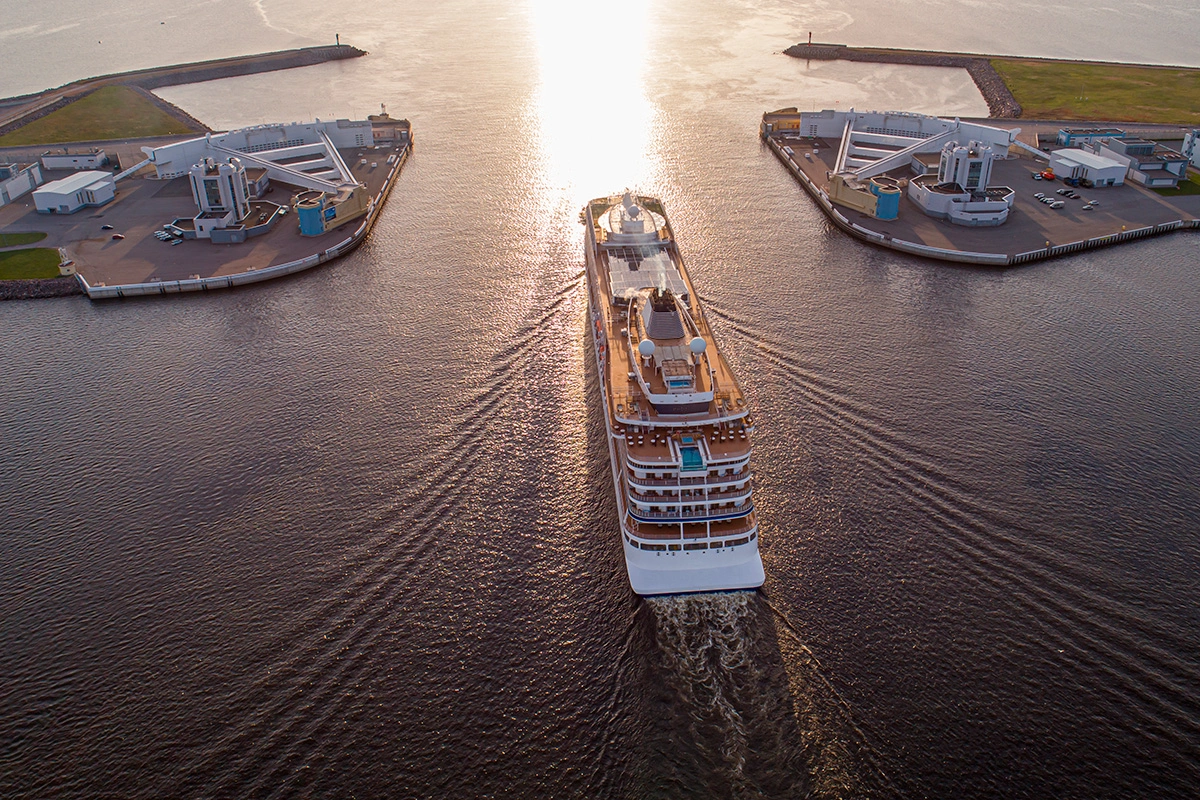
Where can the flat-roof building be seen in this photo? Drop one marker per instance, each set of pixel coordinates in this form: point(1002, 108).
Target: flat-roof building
point(1074, 137)
point(1191, 147)
point(90, 159)
point(16, 181)
point(1147, 163)
point(69, 194)
point(1099, 170)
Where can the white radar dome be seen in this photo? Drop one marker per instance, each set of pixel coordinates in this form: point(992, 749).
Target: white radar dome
point(697, 345)
point(646, 348)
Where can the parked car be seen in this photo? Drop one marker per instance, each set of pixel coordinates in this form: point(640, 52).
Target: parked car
point(106, 227)
point(1087, 206)
point(1039, 195)
point(1057, 204)
point(176, 241)
point(1094, 202)
point(1037, 176)
point(118, 236)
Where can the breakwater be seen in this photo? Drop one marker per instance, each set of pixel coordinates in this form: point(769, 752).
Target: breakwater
point(62, 286)
point(1000, 100)
point(17, 111)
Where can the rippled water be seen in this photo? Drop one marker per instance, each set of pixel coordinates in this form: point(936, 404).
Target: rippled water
point(353, 533)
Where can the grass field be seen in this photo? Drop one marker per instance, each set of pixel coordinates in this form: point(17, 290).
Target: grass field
point(1057, 90)
point(113, 112)
point(15, 239)
point(36, 262)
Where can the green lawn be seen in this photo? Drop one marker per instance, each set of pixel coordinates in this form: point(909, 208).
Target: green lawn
point(1057, 90)
point(113, 112)
point(15, 239)
point(1190, 186)
point(37, 262)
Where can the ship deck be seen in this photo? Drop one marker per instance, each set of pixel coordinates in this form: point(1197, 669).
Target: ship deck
point(627, 404)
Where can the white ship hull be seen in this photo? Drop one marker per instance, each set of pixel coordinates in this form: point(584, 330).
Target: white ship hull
point(668, 571)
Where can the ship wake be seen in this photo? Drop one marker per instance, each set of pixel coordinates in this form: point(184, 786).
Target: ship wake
point(746, 716)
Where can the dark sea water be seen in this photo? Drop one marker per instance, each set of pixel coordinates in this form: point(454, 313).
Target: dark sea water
point(352, 534)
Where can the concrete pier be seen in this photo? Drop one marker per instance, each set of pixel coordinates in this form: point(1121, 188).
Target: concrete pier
point(199, 266)
point(1033, 232)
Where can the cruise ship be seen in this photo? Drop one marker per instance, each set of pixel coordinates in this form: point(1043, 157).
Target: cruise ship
point(678, 427)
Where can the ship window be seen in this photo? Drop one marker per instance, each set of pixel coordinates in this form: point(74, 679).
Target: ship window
point(659, 548)
point(736, 542)
point(696, 546)
point(673, 546)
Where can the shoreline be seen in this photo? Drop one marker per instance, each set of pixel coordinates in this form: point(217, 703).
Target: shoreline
point(40, 288)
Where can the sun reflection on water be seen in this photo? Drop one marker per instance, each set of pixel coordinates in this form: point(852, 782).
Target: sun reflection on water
point(593, 115)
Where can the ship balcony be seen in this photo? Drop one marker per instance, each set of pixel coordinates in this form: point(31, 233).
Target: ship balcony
point(675, 500)
point(743, 527)
point(712, 515)
point(711, 480)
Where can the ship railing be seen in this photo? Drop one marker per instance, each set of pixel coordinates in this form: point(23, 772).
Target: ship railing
point(691, 531)
point(712, 515)
point(675, 499)
point(710, 480)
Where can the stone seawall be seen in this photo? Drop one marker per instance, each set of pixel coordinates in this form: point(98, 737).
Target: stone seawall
point(1000, 100)
point(63, 286)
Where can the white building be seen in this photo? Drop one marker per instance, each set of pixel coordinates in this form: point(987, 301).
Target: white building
point(69, 194)
point(960, 191)
point(303, 154)
point(1191, 147)
point(16, 181)
point(1148, 163)
point(222, 194)
point(93, 159)
point(969, 166)
point(1101, 170)
point(873, 142)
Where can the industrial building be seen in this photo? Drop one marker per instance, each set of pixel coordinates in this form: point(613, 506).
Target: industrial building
point(1095, 169)
point(303, 155)
point(90, 159)
point(68, 195)
point(960, 191)
point(1191, 147)
point(1147, 163)
point(874, 143)
point(1075, 137)
point(16, 181)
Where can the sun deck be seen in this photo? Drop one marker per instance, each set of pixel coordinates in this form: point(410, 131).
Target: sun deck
point(628, 404)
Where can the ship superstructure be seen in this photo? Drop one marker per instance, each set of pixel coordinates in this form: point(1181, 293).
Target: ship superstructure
point(677, 424)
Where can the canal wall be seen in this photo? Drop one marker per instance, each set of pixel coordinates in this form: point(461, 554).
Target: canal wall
point(963, 256)
point(338, 250)
point(1000, 100)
